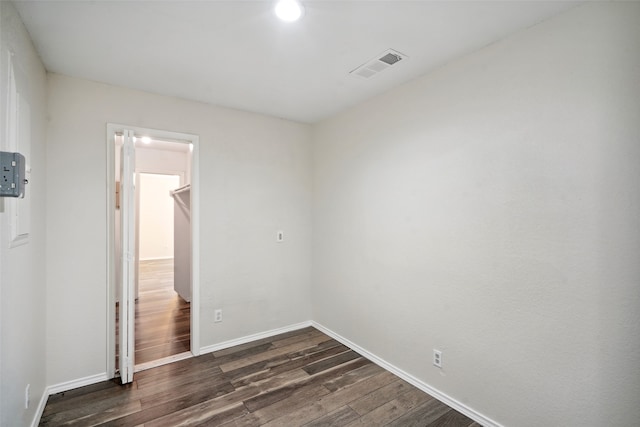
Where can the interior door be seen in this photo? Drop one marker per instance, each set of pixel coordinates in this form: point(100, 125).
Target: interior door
point(128, 242)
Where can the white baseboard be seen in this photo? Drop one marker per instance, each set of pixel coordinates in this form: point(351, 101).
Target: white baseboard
point(442, 397)
point(40, 409)
point(80, 382)
point(254, 337)
point(66, 386)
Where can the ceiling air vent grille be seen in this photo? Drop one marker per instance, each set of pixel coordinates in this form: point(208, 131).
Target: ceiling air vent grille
point(380, 63)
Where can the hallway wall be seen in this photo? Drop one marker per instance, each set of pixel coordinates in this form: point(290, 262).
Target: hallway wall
point(156, 215)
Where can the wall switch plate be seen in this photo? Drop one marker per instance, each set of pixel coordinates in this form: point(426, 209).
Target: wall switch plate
point(217, 316)
point(437, 358)
point(279, 236)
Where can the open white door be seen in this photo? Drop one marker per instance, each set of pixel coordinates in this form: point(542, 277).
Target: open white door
point(128, 241)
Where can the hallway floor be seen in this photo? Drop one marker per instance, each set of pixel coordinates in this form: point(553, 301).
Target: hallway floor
point(162, 317)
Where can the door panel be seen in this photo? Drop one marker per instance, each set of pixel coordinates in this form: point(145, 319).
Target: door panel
point(128, 242)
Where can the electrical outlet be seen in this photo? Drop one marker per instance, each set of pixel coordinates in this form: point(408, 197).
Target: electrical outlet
point(437, 358)
point(217, 315)
point(27, 397)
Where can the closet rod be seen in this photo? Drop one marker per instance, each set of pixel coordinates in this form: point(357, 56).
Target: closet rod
point(181, 189)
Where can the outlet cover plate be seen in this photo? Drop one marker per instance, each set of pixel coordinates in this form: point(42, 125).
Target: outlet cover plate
point(437, 358)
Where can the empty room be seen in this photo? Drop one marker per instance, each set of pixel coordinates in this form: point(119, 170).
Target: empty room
point(347, 213)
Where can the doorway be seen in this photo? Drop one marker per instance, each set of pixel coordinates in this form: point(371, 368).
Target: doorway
point(151, 173)
point(162, 327)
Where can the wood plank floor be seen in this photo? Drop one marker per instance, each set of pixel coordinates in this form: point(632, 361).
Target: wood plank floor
point(300, 378)
point(162, 317)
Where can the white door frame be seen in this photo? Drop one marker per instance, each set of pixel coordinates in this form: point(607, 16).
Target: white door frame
point(185, 138)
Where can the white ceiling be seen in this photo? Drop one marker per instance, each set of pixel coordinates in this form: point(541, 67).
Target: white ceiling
point(238, 54)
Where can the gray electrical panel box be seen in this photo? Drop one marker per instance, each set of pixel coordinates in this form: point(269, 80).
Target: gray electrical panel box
point(12, 174)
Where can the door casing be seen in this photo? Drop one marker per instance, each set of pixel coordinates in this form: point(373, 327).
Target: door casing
point(112, 130)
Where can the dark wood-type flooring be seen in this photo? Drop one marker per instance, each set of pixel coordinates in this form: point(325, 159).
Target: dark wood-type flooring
point(293, 379)
point(162, 317)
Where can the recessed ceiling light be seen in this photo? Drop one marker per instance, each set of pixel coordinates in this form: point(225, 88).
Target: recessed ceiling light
point(289, 10)
point(145, 139)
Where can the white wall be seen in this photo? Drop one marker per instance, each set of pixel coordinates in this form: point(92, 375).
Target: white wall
point(492, 210)
point(162, 161)
point(255, 178)
point(22, 268)
point(156, 215)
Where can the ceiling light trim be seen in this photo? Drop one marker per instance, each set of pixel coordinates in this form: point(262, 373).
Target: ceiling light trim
point(289, 10)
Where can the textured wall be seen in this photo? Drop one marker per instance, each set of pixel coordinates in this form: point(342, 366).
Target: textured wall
point(492, 210)
point(254, 179)
point(22, 268)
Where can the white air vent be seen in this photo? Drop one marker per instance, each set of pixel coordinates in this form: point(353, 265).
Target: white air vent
point(380, 63)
